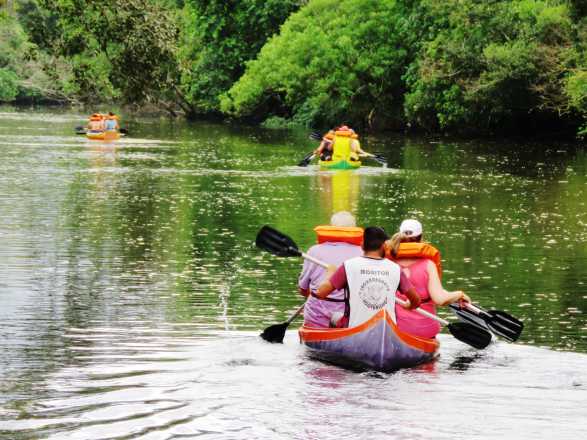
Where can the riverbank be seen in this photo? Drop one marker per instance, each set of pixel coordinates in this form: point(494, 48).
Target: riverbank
point(495, 68)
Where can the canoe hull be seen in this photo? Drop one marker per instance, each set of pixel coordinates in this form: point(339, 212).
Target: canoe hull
point(376, 344)
point(103, 135)
point(340, 164)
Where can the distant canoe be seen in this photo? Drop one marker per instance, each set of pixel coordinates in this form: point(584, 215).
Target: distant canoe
point(103, 135)
point(376, 344)
point(340, 164)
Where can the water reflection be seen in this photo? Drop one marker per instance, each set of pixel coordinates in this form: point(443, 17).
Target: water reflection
point(132, 294)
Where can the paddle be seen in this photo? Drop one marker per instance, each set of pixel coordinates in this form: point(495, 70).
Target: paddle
point(379, 158)
point(276, 332)
point(280, 245)
point(496, 321)
point(316, 136)
point(307, 159)
point(82, 130)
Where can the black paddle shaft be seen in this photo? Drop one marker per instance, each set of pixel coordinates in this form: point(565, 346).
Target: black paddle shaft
point(276, 332)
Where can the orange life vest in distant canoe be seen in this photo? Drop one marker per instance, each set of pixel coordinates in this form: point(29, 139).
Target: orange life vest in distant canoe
point(419, 250)
point(352, 235)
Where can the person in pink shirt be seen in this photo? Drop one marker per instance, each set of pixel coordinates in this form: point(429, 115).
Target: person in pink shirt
point(336, 243)
point(420, 262)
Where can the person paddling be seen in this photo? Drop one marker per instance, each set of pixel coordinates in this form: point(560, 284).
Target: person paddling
point(421, 263)
point(324, 150)
point(96, 123)
point(337, 242)
point(370, 281)
point(340, 143)
point(111, 122)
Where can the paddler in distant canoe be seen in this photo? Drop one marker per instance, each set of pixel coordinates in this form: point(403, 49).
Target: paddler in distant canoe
point(371, 281)
point(96, 123)
point(342, 143)
point(420, 262)
point(337, 242)
point(111, 122)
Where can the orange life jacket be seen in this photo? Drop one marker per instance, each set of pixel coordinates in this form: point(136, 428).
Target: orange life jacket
point(352, 235)
point(419, 250)
point(346, 133)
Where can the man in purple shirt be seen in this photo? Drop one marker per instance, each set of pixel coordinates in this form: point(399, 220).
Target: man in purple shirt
point(319, 313)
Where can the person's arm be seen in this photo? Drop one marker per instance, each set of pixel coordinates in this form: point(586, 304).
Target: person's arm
point(406, 287)
point(336, 279)
point(439, 295)
point(321, 146)
point(356, 147)
point(306, 277)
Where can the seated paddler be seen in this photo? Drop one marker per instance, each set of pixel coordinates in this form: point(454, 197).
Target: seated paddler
point(342, 143)
point(345, 145)
point(111, 122)
point(369, 281)
point(96, 123)
point(337, 242)
point(324, 150)
point(420, 262)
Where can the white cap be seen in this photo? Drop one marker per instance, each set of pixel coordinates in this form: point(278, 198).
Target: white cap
point(411, 228)
point(343, 219)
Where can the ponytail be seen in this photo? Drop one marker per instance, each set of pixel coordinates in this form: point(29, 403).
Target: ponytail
point(399, 238)
point(395, 241)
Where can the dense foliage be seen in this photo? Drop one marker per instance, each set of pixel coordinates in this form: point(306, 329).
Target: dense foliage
point(219, 37)
point(437, 65)
point(452, 65)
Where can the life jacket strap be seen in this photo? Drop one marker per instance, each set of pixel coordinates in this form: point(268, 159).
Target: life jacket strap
point(334, 300)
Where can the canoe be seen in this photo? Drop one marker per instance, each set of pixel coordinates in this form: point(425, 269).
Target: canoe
point(340, 164)
point(376, 344)
point(103, 135)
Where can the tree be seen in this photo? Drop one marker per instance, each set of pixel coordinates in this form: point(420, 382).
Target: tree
point(123, 49)
point(219, 36)
point(333, 60)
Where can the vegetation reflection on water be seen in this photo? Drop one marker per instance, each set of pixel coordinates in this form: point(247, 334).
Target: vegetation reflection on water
point(130, 259)
point(149, 222)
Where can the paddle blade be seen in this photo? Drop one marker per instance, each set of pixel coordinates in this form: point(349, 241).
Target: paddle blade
point(306, 160)
point(316, 136)
point(468, 316)
point(276, 243)
point(380, 159)
point(499, 323)
point(275, 333)
point(470, 334)
point(505, 325)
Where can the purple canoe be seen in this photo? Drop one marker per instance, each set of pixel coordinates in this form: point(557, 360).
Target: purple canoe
point(377, 344)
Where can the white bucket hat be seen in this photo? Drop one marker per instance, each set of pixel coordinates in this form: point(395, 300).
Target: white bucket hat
point(411, 228)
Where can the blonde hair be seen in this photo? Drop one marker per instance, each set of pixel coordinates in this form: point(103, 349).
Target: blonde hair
point(399, 238)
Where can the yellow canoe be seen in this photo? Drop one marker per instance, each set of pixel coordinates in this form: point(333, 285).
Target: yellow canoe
point(103, 135)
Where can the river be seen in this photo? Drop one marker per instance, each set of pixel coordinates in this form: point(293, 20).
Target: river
point(132, 296)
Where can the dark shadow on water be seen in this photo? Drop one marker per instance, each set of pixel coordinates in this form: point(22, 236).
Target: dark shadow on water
point(465, 361)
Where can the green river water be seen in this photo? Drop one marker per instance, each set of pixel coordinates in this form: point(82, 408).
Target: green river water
point(131, 293)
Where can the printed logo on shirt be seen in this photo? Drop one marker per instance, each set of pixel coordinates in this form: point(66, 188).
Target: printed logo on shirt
point(373, 293)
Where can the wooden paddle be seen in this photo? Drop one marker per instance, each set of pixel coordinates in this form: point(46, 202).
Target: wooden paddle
point(497, 322)
point(280, 245)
